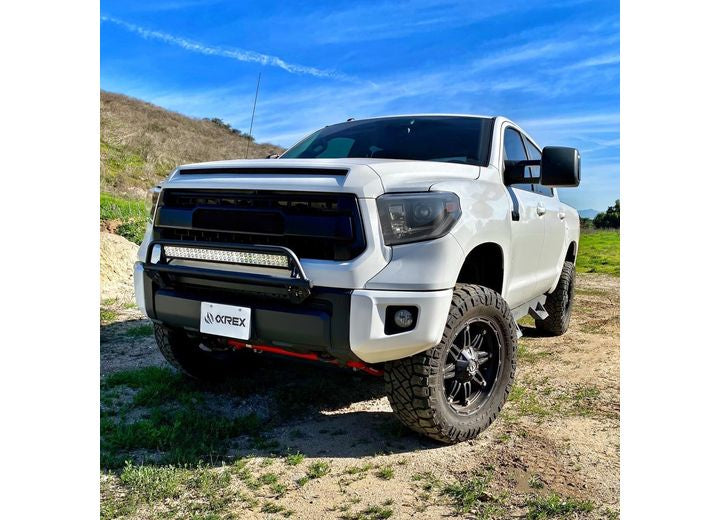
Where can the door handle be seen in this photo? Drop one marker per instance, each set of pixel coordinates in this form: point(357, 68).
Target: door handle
point(561, 215)
point(541, 210)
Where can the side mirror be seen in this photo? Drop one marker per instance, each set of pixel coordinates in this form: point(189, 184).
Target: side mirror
point(560, 167)
point(272, 156)
point(515, 171)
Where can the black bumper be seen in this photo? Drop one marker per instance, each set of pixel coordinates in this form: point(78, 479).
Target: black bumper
point(320, 323)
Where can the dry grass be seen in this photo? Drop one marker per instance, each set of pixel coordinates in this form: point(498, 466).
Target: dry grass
point(141, 143)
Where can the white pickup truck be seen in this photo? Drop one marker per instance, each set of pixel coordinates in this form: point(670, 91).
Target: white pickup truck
point(406, 246)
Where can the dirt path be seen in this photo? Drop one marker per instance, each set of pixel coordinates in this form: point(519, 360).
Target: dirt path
point(558, 434)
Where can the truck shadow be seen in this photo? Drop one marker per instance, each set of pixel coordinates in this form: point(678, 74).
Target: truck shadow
point(292, 405)
point(532, 332)
point(326, 411)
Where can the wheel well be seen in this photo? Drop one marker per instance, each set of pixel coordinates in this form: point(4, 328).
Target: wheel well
point(571, 252)
point(484, 266)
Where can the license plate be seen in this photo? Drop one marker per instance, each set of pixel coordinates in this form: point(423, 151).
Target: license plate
point(225, 320)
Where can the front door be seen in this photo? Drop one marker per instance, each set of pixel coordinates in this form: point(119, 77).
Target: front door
point(553, 252)
point(527, 229)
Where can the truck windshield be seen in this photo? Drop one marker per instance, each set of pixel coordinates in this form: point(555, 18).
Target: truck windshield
point(455, 139)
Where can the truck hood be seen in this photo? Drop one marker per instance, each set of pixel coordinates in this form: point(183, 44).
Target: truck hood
point(367, 178)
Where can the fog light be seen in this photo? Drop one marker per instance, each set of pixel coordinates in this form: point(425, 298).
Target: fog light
point(403, 318)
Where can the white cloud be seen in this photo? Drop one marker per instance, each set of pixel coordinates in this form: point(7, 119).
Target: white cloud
point(396, 19)
point(602, 119)
point(235, 54)
point(596, 61)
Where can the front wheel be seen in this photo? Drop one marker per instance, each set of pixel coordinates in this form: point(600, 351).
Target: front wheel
point(456, 389)
point(190, 356)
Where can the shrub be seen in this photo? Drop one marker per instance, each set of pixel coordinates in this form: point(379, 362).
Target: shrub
point(609, 219)
point(131, 214)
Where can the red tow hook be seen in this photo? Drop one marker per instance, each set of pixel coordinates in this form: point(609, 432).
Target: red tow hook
point(312, 356)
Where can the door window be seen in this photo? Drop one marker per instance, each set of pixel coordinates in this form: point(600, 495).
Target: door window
point(514, 150)
point(535, 154)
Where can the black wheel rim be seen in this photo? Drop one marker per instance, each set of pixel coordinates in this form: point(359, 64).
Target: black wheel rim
point(472, 365)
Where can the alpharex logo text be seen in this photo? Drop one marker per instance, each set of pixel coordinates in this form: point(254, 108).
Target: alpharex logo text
point(224, 319)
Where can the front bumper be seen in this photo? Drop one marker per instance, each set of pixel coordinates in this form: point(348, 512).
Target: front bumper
point(346, 324)
point(368, 339)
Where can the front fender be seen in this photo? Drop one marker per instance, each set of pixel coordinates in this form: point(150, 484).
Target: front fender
point(421, 266)
point(485, 215)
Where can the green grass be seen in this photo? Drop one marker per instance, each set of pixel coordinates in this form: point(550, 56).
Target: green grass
point(164, 414)
point(155, 386)
point(267, 479)
point(273, 508)
point(541, 508)
point(112, 208)
point(108, 315)
point(293, 459)
point(318, 469)
point(141, 331)
point(130, 212)
point(150, 483)
point(599, 252)
point(377, 512)
point(385, 473)
point(202, 489)
point(120, 162)
point(428, 480)
point(278, 489)
point(469, 493)
point(584, 400)
point(530, 356)
point(356, 470)
point(526, 402)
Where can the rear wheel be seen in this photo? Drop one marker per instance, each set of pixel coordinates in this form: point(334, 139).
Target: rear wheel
point(559, 304)
point(195, 359)
point(455, 390)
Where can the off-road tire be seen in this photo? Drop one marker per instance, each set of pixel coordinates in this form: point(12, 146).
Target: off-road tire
point(559, 304)
point(415, 385)
point(184, 353)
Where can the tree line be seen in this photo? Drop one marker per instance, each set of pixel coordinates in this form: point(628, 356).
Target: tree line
point(609, 219)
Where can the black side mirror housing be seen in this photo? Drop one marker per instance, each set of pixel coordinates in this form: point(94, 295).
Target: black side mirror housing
point(560, 167)
point(515, 171)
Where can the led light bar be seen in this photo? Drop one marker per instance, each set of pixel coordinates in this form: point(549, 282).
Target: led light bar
point(231, 257)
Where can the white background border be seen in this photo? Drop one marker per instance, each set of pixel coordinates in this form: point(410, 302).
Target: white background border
point(49, 301)
point(670, 183)
point(50, 275)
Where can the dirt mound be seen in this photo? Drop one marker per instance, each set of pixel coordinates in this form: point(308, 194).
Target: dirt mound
point(117, 256)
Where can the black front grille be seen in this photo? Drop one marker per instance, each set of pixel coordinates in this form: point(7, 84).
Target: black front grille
point(321, 226)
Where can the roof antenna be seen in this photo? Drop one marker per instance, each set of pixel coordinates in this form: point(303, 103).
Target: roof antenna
point(252, 119)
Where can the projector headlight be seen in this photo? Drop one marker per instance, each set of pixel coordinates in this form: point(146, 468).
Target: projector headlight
point(411, 217)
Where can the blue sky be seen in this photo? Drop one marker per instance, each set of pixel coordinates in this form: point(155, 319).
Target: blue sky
point(551, 66)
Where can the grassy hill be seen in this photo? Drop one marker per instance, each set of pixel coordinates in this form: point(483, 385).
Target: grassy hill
point(141, 143)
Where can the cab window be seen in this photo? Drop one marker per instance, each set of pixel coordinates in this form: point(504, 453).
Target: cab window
point(535, 154)
point(514, 150)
